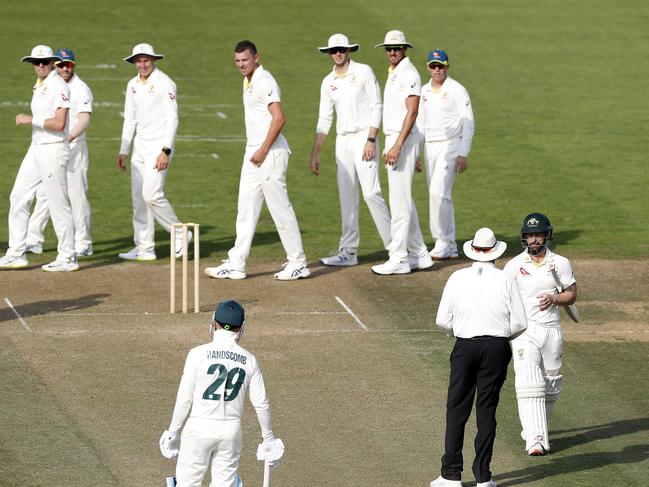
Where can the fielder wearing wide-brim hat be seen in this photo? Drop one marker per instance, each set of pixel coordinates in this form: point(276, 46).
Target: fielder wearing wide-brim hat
point(339, 40)
point(41, 53)
point(143, 49)
point(484, 247)
point(395, 38)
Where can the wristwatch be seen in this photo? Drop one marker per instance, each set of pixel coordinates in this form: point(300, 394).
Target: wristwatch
point(371, 139)
point(166, 150)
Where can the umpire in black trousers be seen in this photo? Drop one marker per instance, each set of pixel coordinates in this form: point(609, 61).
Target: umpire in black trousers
point(482, 307)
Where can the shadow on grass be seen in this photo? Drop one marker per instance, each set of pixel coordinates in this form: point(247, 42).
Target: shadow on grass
point(596, 433)
point(53, 306)
point(574, 463)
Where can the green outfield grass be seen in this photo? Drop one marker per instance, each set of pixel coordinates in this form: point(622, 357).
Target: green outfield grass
point(558, 90)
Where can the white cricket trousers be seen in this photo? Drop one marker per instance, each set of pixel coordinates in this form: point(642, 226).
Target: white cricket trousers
point(265, 183)
point(77, 177)
point(206, 440)
point(440, 175)
point(147, 194)
point(46, 165)
point(404, 228)
point(351, 170)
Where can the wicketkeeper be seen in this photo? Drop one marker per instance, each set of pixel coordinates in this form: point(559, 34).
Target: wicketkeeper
point(213, 385)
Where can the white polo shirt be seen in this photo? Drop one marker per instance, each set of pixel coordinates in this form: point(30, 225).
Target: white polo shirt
point(150, 111)
point(48, 96)
point(534, 279)
point(80, 102)
point(446, 114)
point(214, 384)
point(261, 91)
point(403, 81)
point(481, 300)
point(356, 98)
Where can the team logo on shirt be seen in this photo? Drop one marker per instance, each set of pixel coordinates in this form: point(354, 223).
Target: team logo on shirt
point(133, 90)
point(333, 87)
point(424, 99)
point(172, 96)
point(65, 97)
point(152, 89)
point(524, 272)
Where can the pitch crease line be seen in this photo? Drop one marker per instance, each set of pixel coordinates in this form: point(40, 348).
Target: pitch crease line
point(351, 313)
point(20, 318)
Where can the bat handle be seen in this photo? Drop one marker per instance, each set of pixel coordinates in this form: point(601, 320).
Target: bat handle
point(266, 474)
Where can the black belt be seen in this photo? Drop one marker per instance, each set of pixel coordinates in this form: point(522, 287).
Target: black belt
point(483, 337)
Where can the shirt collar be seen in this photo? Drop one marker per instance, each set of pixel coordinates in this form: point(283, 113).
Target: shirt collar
point(351, 69)
point(47, 78)
point(547, 258)
point(153, 73)
point(400, 67)
point(222, 335)
point(483, 264)
point(255, 74)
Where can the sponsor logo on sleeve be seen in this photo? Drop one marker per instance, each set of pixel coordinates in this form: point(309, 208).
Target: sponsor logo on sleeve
point(172, 96)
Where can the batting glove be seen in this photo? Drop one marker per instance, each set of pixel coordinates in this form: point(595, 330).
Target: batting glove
point(170, 444)
point(271, 451)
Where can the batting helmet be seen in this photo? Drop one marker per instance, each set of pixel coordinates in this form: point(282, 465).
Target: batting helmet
point(536, 223)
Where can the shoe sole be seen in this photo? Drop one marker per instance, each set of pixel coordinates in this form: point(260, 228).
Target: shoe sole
point(60, 270)
point(11, 267)
point(450, 257)
point(391, 273)
point(303, 275)
point(338, 264)
point(137, 259)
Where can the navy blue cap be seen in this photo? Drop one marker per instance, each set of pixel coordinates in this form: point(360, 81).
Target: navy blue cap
point(438, 56)
point(65, 56)
point(230, 314)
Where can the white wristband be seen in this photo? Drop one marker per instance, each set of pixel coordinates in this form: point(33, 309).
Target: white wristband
point(38, 122)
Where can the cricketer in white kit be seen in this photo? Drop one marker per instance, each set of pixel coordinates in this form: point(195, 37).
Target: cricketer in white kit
point(353, 93)
point(263, 173)
point(150, 122)
point(44, 164)
point(212, 391)
point(407, 248)
point(78, 121)
point(538, 353)
point(446, 124)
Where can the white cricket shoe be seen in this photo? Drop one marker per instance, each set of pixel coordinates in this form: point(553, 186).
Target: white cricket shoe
point(135, 254)
point(420, 261)
point(225, 271)
point(444, 250)
point(10, 262)
point(442, 482)
point(392, 267)
point(341, 257)
point(85, 252)
point(491, 483)
point(63, 265)
point(180, 251)
point(293, 271)
point(537, 450)
point(34, 248)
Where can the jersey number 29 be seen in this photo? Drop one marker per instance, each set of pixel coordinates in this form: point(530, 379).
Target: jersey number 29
point(233, 382)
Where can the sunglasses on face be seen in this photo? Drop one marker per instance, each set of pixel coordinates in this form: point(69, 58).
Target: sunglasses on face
point(337, 50)
point(40, 62)
point(394, 48)
point(63, 65)
point(436, 66)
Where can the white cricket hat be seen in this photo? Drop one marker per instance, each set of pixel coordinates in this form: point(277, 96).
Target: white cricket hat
point(395, 38)
point(40, 53)
point(339, 40)
point(143, 48)
point(484, 247)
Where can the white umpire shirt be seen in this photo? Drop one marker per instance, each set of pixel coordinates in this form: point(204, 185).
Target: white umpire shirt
point(214, 383)
point(150, 109)
point(258, 93)
point(481, 300)
point(403, 81)
point(534, 279)
point(446, 114)
point(356, 98)
point(48, 96)
point(80, 102)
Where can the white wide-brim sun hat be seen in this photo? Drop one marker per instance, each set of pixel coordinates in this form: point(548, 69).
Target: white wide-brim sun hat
point(143, 49)
point(484, 247)
point(40, 53)
point(339, 40)
point(395, 38)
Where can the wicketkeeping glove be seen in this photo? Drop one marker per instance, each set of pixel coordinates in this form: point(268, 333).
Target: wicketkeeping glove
point(170, 444)
point(271, 451)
